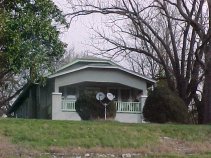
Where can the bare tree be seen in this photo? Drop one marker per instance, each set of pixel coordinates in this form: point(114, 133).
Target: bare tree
point(177, 30)
point(69, 56)
point(143, 65)
point(66, 58)
point(199, 19)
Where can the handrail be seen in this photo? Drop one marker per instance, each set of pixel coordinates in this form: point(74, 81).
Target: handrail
point(130, 107)
point(68, 105)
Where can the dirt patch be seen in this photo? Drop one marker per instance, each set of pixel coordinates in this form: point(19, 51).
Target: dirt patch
point(182, 147)
point(166, 145)
point(8, 150)
point(95, 150)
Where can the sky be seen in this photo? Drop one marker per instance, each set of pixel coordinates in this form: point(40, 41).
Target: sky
point(79, 34)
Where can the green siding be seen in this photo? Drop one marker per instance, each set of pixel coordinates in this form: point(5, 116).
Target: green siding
point(38, 102)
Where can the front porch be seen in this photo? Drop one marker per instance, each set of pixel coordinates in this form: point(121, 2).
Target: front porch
point(129, 101)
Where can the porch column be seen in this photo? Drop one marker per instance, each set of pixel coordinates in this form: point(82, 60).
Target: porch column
point(142, 100)
point(56, 105)
point(56, 87)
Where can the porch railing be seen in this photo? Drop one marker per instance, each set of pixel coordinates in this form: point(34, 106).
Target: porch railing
point(131, 107)
point(68, 105)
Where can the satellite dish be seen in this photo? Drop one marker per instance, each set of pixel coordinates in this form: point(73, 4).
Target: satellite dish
point(100, 96)
point(110, 96)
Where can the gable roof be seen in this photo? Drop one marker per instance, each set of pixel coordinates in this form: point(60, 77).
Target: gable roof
point(87, 59)
point(93, 62)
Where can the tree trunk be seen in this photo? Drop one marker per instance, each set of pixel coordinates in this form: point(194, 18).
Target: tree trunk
point(207, 87)
point(199, 106)
point(207, 81)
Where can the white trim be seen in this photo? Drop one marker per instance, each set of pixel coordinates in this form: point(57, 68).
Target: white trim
point(94, 66)
point(65, 66)
point(86, 60)
point(56, 93)
point(144, 96)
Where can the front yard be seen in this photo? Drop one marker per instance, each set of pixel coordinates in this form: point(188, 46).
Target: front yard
point(44, 138)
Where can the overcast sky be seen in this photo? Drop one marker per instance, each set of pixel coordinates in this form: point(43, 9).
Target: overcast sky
point(79, 33)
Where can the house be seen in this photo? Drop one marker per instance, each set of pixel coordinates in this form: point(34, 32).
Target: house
point(56, 100)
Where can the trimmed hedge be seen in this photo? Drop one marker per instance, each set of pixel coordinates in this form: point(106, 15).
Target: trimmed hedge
point(89, 108)
point(163, 105)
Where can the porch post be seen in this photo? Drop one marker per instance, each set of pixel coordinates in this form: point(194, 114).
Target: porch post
point(143, 99)
point(142, 102)
point(56, 105)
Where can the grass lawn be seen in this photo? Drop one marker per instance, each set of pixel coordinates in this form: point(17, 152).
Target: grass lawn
point(149, 140)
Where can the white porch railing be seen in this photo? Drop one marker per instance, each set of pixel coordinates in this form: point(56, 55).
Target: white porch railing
point(68, 105)
point(131, 107)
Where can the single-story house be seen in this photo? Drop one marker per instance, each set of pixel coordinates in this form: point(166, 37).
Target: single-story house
point(56, 100)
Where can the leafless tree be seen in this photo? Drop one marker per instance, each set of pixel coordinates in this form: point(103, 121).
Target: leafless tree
point(68, 56)
point(143, 65)
point(177, 30)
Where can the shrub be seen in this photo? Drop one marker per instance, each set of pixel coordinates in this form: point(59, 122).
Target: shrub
point(163, 105)
point(89, 108)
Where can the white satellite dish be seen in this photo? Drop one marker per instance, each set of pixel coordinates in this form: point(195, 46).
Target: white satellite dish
point(110, 96)
point(100, 96)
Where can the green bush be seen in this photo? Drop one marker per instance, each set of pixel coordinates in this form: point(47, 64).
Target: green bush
point(163, 105)
point(89, 108)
